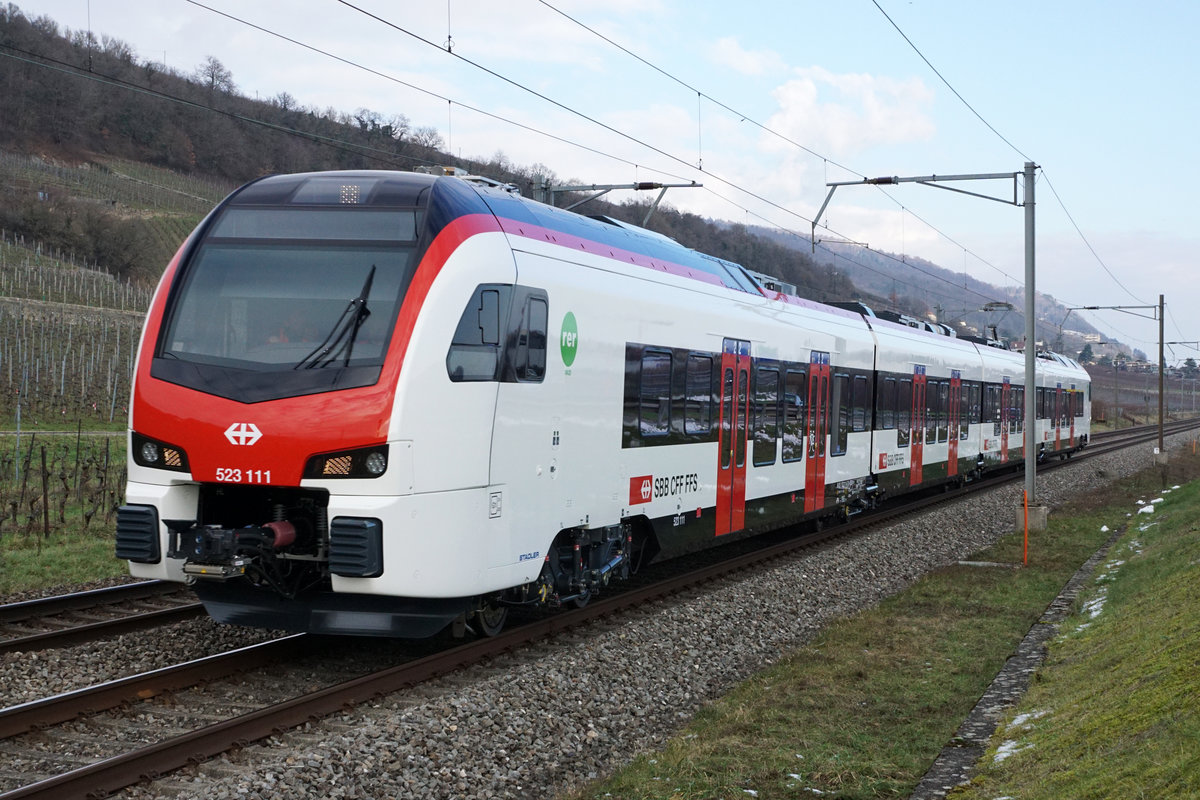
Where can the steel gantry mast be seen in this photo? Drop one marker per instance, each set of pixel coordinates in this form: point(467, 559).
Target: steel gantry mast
point(1038, 513)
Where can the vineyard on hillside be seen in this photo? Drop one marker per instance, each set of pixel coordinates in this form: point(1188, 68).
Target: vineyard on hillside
point(68, 337)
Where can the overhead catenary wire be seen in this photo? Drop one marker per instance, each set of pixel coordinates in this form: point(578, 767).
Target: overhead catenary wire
point(427, 92)
point(744, 117)
point(47, 62)
point(517, 84)
point(367, 152)
point(1014, 148)
point(386, 157)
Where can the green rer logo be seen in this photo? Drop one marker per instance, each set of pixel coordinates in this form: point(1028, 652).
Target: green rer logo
point(569, 341)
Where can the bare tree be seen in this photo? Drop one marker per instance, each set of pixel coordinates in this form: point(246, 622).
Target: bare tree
point(214, 75)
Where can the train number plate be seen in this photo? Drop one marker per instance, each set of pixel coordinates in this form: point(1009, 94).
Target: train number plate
point(238, 475)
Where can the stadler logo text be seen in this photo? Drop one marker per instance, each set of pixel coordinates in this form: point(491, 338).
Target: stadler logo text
point(240, 433)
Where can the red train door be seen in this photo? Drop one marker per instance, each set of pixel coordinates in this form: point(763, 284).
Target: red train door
point(731, 436)
point(818, 430)
point(1005, 402)
point(917, 438)
point(955, 419)
point(1076, 399)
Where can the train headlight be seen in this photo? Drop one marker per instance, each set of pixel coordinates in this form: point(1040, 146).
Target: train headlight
point(149, 452)
point(366, 462)
point(375, 462)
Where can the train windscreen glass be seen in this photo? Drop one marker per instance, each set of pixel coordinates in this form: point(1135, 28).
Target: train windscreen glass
point(280, 289)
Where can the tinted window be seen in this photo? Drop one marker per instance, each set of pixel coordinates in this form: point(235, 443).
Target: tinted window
point(475, 350)
point(887, 404)
point(766, 414)
point(794, 394)
point(840, 408)
point(698, 406)
point(861, 399)
point(655, 405)
point(531, 341)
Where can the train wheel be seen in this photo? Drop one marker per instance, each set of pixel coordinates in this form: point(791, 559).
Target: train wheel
point(490, 618)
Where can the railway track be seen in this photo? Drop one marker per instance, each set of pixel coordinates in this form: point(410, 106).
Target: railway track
point(70, 619)
point(171, 753)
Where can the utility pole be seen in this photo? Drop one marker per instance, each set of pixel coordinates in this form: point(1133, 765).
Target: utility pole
point(1160, 455)
point(1160, 451)
point(1031, 352)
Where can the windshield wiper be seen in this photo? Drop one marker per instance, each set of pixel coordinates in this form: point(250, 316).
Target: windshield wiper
point(344, 332)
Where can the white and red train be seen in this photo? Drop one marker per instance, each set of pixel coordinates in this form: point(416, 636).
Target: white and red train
point(381, 402)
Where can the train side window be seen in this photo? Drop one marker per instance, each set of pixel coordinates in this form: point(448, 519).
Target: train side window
point(766, 415)
point(1079, 402)
point(531, 341)
point(698, 397)
point(975, 409)
point(795, 392)
point(885, 412)
point(860, 402)
point(475, 350)
point(904, 400)
point(943, 411)
point(655, 393)
point(840, 416)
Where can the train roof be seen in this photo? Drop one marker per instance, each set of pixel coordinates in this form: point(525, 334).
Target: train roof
point(451, 195)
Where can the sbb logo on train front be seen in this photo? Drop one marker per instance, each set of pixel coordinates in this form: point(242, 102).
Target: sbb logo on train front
point(243, 433)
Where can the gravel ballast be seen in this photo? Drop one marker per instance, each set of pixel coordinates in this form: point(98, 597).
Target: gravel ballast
point(557, 714)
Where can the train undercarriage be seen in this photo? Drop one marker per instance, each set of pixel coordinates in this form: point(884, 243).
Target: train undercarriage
point(277, 573)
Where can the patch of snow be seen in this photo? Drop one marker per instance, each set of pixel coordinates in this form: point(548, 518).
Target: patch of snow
point(1104, 529)
point(1022, 719)
point(1156, 500)
point(1007, 748)
point(1146, 510)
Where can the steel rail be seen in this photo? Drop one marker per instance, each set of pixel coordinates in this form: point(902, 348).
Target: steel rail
point(97, 630)
point(23, 718)
point(79, 601)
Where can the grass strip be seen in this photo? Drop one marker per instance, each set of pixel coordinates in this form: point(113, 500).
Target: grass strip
point(31, 563)
point(1115, 710)
point(863, 711)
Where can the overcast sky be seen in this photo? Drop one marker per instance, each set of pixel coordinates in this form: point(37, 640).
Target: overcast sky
point(1101, 95)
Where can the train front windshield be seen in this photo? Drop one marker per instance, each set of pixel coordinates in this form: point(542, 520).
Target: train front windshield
point(280, 290)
